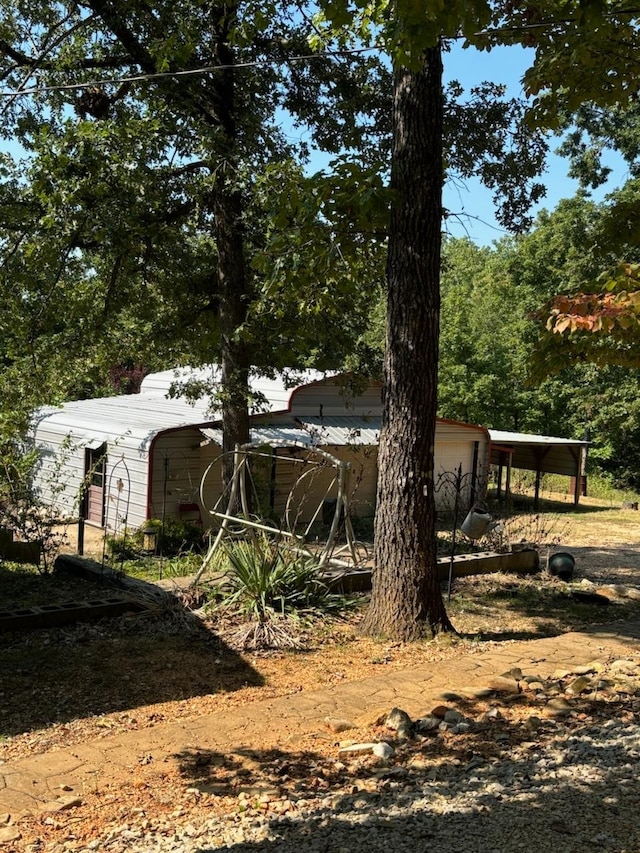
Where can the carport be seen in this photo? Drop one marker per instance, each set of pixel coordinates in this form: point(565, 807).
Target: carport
point(540, 453)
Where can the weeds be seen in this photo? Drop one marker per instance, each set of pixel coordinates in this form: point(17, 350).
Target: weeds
point(534, 530)
point(174, 539)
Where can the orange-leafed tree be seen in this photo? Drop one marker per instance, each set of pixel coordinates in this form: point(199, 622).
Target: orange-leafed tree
point(613, 310)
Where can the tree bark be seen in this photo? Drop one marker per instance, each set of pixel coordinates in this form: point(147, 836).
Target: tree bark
point(234, 355)
point(406, 599)
point(232, 286)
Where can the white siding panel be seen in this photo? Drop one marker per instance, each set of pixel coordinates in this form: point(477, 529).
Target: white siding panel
point(176, 471)
point(327, 398)
point(61, 476)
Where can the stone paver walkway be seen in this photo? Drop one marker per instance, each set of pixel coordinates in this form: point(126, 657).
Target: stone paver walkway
point(38, 782)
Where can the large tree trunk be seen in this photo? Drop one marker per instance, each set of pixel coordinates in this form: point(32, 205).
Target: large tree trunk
point(406, 600)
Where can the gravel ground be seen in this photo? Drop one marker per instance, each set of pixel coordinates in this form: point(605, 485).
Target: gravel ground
point(512, 776)
point(578, 792)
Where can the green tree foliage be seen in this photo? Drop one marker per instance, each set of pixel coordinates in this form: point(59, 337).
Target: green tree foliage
point(582, 51)
point(597, 316)
point(141, 217)
point(586, 86)
point(486, 373)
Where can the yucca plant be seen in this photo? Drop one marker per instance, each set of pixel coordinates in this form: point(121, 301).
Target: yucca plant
point(271, 587)
point(263, 579)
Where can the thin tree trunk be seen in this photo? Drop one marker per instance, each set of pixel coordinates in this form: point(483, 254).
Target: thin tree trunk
point(231, 272)
point(406, 600)
point(234, 356)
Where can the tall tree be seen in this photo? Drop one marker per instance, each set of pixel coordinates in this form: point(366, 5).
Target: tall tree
point(151, 177)
point(405, 600)
point(406, 595)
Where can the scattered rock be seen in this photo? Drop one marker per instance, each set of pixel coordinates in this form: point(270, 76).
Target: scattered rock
point(579, 685)
point(405, 732)
point(439, 711)
point(588, 668)
point(9, 834)
point(453, 717)
point(493, 714)
point(500, 684)
point(427, 724)
point(628, 667)
point(513, 674)
point(557, 707)
point(336, 725)
point(356, 749)
point(397, 718)
point(62, 804)
point(383, 750)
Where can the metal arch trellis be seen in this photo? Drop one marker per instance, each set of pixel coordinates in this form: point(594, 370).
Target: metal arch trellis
point(232, 524)
point(166, 459)
point(121, 509)
point(457, 482)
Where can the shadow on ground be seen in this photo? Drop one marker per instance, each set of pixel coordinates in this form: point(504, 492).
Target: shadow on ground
point(57, 675)
point(493, 788)
point(502, 607)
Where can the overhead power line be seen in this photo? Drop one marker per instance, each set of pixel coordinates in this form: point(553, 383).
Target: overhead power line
point(205, 69)
point(191, 72)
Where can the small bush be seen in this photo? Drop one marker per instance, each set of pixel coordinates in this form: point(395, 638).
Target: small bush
point(270, 588)
point(174, 538)
point(263, 579)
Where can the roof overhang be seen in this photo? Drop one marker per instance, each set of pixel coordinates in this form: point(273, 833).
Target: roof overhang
point(338, 431)
point(542, 453)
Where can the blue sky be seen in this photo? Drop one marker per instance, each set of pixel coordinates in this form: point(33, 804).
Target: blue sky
point(472, 202)
point(505, 65)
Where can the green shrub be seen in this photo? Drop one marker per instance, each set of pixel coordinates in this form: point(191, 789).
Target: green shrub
point(263, 580)
point(174, 539)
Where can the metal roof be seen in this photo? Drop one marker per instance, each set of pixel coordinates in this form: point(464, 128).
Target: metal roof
point(312, 431)
point(542, 453)
point(141, 416)
point(272, 394)
point(502, 437)
point(138, 416)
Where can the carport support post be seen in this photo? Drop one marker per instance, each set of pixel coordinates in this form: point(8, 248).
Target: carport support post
point(536, 496)
point(507, 486)
point(577, 457)
point(539, 459)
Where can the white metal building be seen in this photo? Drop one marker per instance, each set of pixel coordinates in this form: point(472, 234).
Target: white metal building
point(142, 456)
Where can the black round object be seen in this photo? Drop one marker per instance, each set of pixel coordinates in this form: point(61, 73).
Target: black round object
point(562, 565)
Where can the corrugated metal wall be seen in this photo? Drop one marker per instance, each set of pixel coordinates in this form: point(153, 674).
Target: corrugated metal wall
point(62, 472)
point(326, 399)
point(179, 460)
